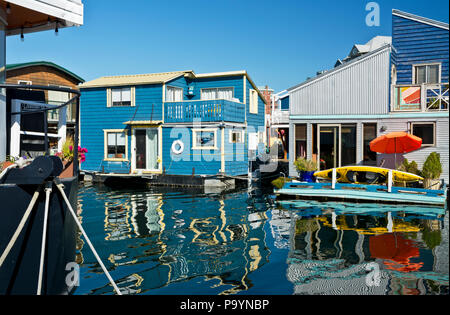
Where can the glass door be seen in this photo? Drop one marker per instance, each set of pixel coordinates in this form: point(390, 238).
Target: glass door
point(152, 149)
point(328, 146)
point(141, 148)
point(147, 149)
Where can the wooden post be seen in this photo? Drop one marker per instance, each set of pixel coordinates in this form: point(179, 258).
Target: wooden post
point(333, 179)
point(389, 181)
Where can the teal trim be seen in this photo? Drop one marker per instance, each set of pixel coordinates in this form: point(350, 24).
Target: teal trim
point(392, 115)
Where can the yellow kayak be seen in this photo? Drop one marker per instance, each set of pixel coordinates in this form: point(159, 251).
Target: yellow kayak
point(366, 174)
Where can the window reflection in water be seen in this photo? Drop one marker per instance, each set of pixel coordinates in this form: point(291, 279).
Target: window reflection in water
point(167, 238)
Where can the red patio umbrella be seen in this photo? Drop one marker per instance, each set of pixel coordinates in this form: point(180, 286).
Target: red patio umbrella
point(396, 142)
point(396, 251)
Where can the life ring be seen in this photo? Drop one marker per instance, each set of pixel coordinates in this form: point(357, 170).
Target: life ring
point(177, 147)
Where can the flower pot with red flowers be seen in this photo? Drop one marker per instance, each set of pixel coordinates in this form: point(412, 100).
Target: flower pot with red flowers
point(67, 157)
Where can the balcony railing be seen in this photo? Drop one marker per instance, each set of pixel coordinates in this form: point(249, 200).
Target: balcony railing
point(420, 97)
point(204, 111)
point(280, 117)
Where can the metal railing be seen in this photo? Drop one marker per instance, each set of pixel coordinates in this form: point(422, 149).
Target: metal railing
point(420, 97)
point(75, 99)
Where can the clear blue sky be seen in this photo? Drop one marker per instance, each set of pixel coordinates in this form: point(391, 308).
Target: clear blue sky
point(279, 42)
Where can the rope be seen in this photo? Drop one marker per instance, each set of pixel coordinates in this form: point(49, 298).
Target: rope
point(20, 227)
point(60, 187)
point(48, 191)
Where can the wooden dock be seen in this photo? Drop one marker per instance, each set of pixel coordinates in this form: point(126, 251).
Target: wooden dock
point(359, 192)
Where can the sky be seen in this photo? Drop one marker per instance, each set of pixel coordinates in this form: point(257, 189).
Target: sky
point(279, 42)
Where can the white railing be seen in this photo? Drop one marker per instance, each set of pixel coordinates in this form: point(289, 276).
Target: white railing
point(420, 97)
point(280, 117)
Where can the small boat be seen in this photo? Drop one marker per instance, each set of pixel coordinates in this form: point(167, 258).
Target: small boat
point(366, 175)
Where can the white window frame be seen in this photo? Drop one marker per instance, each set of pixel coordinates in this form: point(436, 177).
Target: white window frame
point(253, 101)
point(412, 124)
point(217, 91)
point(105, 141)
point(230, 136)
point(426, 77)
point(194, 137)
point(109, 102)
point(175, 88)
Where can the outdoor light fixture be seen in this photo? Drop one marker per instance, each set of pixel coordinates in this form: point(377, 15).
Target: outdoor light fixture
point(383, 128)
point(8, 8)
point(56, 28)
point(22, 38)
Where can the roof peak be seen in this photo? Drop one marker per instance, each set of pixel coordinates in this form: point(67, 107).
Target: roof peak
point(421, 19)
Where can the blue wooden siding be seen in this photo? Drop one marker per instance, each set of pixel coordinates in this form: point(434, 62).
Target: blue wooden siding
point(236, 82)
point(180, 82)
point(285, 103)
point(236, 157)
point(95, 116)
point(205, 162)
point(416, 43)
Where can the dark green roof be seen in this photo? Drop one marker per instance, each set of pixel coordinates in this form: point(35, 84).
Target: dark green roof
point(43, 63)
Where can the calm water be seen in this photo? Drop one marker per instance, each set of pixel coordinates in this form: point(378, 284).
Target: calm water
point(175, 241)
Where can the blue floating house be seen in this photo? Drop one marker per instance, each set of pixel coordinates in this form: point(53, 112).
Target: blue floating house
point(173, 123)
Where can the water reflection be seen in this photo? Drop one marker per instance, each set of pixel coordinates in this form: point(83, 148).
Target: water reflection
point(156, 239)
point(173, 241)
point(338, 248)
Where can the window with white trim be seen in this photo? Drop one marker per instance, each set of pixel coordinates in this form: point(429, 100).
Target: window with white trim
point(204, 139)
point(121, 96)
point(236, 136)
point(174, 94)
point(225, 93)
point(426, 131)
point(116, 145)
point(253, 106)
point(427, 73)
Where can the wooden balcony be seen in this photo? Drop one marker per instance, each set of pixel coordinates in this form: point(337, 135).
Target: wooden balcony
point(420, 97)
point(204, 111)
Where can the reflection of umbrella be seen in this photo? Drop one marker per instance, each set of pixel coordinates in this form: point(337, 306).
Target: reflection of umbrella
point(397, 250)
point(395, 142)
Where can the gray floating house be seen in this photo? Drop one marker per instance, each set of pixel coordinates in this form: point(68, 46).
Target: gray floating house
point(389, 84)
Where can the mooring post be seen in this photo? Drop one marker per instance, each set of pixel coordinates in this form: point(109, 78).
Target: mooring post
point(390, 181)
point(333, 179)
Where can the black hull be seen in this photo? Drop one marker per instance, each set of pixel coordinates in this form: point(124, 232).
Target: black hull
point(19, 272)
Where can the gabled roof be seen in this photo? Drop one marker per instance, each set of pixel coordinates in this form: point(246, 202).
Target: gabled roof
point(16, 66)
point(421, 19)
point(136, 79)
point(341, 67)
point(161, 78)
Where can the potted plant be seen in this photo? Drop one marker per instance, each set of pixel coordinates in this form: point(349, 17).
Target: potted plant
point(409, 167)
point(306, 169)
point(67, 156)
point(431, 171)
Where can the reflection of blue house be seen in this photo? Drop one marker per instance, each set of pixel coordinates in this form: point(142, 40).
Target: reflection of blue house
point(174, 123)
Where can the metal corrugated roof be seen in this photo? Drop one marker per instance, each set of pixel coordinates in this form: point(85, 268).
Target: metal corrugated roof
point(136, 79)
